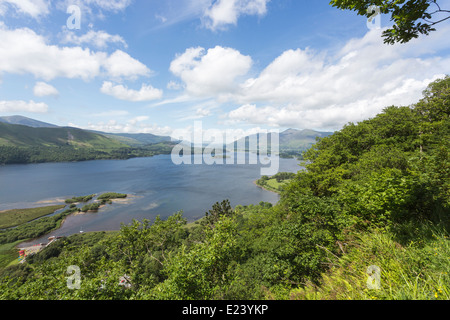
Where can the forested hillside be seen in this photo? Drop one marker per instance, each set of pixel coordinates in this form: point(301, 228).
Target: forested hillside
point(21, 144)
point(372, 204)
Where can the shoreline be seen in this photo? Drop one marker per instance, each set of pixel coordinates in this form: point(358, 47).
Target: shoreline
point(23, 242)
point(126, 200)
point(264, 188)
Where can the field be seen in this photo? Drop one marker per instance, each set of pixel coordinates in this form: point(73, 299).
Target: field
point(15, 217)
point(276, 182)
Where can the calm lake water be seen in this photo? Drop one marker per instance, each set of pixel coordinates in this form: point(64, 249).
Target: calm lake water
point(156, 185)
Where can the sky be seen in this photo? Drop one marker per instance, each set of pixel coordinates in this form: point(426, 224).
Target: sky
point(162, 66)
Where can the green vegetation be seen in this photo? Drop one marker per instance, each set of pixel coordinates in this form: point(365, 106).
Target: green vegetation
point(411, 18)
point(22, 144)
point(80, 199)
point(101, 200)
point(111, 195)
point(276, 182)
point(8, 254)
point(292, 142)
point(375, 196)
point(417, 271)
point(23, 155)
point(25, 136)
point(15, 217)
point(35, 228)
point(94, 206)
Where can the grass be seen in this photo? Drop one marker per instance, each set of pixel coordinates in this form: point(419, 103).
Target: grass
point(24, 136)
point(15, 217)
point(408, 272)
point(112, 195)
point(272, 185)
point(8, 254)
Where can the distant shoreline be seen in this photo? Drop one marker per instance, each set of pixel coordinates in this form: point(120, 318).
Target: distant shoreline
point(264, 188)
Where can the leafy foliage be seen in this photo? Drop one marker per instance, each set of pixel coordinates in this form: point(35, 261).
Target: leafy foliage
point(411, 17)
point(374, 193)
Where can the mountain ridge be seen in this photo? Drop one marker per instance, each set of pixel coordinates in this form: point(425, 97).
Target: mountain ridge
point(37, 133)
point(21, 120)
point(18, 135)
point(130, 139)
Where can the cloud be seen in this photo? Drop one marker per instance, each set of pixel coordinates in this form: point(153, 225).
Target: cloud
point(111, 113)
point(98, 39)
point(22, 51)
point(42, 89)
point(212, 72)
point(227, 12)
point(110, 5)
point(146, 93)
point(33, 8)
point(172, 85)
point(120, 64)
point(135, 125)
point(307, 89)
point(23, 106)
point(171, 12)
point(87, 6)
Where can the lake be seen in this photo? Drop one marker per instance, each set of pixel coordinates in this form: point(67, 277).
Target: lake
point(156, 187)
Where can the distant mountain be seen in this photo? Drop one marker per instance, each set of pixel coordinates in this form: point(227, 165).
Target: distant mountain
point(26, 136)
point(26, 122)
point(291, 141)
point(130, 139)
point(137, 139)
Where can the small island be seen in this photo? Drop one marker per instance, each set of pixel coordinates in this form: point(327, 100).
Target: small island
point(97, 203)
point(21, 225)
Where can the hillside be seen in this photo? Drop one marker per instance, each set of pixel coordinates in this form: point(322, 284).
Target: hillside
point(24, 136)
point(292, 141)
point(137, 139)
point(20, 144)
point(26, 122)
point(129, 139)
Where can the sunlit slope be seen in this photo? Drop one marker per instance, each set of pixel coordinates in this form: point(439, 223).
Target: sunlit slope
point(24, 136)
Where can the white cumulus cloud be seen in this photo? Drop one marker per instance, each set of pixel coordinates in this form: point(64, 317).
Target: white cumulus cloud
point(134, 125)
point(42, 89)
point(23, 106)
point(33, 8)
point(110, 5)
point(146, 93)
point(22, 51)
point(98, 39)
point(225, 12)
point(211, 72)
point(306, 89)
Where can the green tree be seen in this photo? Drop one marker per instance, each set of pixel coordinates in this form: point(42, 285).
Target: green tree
point(410, 17)
point(218, 210)
point(201, 272)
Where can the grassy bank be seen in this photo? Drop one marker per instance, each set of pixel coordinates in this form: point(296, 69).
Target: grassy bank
point(15, 217)
point(275, 183)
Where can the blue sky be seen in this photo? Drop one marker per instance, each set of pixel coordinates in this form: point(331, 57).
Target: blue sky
point(157, 66)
